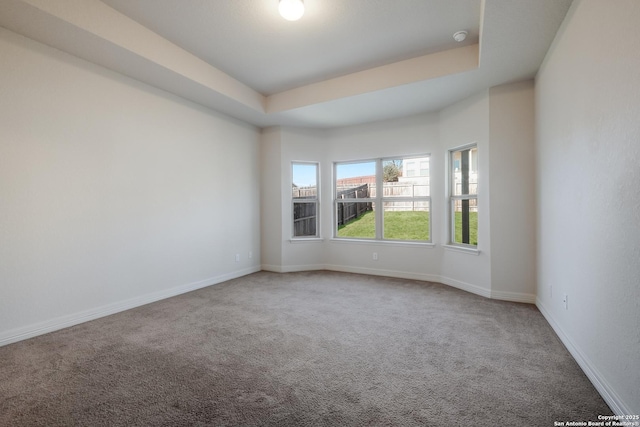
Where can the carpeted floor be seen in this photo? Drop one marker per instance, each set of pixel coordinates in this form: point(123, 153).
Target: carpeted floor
point(301, 349)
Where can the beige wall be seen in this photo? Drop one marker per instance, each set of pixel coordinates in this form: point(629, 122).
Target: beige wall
point(588, 219)
point(112, 193)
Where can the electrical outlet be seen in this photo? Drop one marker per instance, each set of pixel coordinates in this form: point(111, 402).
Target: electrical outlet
point(565, 301)
point(375, 256)
point(250, 254)
point(237, 257)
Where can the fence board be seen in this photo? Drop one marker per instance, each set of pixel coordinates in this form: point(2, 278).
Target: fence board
point(348, 211)
point(304, 219)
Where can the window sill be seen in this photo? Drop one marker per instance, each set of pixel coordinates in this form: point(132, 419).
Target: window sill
point(382, 242)
point(464, 250)
point(306, 240)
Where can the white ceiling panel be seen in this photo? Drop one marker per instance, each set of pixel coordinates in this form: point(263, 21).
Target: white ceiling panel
point(344, 62)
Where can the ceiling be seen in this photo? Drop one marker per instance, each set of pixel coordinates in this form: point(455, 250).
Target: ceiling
point(344, 62)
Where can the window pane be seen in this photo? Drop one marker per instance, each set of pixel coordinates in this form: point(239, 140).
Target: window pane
point(304, 188)
point(305, 192)
point(356, 220)
point(305, 176)
point(408, 177)
point(406, 189)
point(465, 217)
point(474, 159)
point(355, 176)
point(393, 169)
point(424, 168)
point(304, 219)
point(406, 220)
point(404, 194)
point(465, 172)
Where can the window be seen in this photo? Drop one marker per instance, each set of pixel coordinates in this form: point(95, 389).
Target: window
point(410, 169)
point(424, 168)
point(304, 187)
point(464, 196)
point(355, 193)
point(405, 200)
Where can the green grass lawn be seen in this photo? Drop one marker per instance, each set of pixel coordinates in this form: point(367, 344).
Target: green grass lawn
point(363, 227)
point(404, 225)
point(398, 225)
point(473, 228)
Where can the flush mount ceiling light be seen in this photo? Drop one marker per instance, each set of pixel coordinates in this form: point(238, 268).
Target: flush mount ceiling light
point(460, 36)
point(291, 10)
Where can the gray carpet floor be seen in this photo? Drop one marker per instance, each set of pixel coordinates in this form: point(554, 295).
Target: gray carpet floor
point(301, 349)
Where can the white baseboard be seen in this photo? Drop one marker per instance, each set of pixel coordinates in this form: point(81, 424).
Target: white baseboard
point(468, 287)
point(62, 322)
point(307, 267)
point(474, 289)
point(604, 388)
point(381, 272)
point(272, 268)
point(292, 268)
point(514, 297)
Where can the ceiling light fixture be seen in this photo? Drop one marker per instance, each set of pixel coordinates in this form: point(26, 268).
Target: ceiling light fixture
point(291, 10)
point(460, 36)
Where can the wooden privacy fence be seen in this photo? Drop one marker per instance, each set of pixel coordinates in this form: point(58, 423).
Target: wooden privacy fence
point(351, 210)
point(394, 191)
point(304, 211)
point(304, 219)
point(304, 192)
point(404, 189)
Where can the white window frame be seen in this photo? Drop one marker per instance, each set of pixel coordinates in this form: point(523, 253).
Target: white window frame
point(453, 198)
point(379, 200)
point(315, 200)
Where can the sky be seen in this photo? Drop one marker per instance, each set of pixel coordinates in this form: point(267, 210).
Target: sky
point(356, 169)
point(304, 175)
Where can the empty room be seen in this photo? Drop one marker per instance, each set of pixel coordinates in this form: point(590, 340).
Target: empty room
point(319, 212)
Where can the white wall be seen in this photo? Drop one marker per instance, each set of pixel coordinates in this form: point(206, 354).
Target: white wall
point(464, 123)
point(271, 199)
point(304, 145)
point(280, 147)
point(407, 136)
point(512, 177)
point(588, 157)
point(112, 193)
